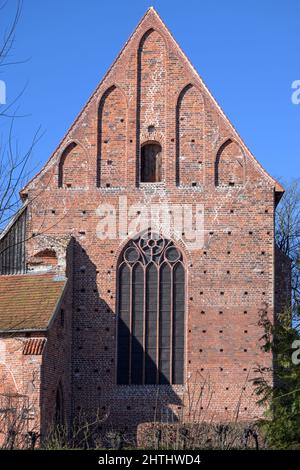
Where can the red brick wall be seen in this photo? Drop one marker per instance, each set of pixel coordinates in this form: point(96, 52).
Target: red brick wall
point(229, 279)
point(56, 363)
point(230, 165)
point(34, 371)
point(283, 281)
point(190, 136)
point(20, 375)
point(112, 126)
point(73, 167)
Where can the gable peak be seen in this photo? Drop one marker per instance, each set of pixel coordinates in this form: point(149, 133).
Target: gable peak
point(150, 22)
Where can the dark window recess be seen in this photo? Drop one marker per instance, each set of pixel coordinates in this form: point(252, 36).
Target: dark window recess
point(151, 309)
point(62, 318)
point(12, 246)
point(151, 164)
point(59, 406)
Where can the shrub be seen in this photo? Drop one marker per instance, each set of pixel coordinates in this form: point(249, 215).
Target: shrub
point(200, 436)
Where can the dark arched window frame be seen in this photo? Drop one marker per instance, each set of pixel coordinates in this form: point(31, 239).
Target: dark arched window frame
point(151, 312)
point(59, 406)
point(151, 162)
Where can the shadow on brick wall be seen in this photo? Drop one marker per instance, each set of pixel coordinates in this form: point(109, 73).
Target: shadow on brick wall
point(94, 359)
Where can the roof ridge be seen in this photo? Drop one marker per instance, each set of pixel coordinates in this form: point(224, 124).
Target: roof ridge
point(53, 275)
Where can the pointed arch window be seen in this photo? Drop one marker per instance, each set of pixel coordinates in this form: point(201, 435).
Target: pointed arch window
point(151, 164)
point(151, 310)
point(59, 406)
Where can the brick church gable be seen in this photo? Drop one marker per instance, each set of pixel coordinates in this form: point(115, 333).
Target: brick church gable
point(145, 316)
point(150, 46)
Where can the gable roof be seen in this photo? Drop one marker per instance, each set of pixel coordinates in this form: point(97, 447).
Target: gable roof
point(29, 301)
point(152, 16)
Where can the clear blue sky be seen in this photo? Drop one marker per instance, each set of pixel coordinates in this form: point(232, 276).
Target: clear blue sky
point(247, 52)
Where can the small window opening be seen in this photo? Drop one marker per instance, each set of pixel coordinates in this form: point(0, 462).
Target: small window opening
point(62, 318)
point(151, 163)
point(59, 406)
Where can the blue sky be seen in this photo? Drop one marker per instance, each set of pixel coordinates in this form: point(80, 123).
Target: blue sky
point(247, 53)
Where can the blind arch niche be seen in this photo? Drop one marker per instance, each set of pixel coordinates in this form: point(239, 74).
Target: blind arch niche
point(151, 312)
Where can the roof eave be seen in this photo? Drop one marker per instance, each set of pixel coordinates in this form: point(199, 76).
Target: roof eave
point(23, 330)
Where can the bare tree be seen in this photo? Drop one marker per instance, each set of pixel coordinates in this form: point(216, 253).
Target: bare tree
point(18, 428)
point(288, 234)
point(14, 163)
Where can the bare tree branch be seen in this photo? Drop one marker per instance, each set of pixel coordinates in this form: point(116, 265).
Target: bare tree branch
point(288, 234)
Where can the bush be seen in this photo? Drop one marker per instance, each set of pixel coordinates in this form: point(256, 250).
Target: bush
point(282, 424)
point(200, 436)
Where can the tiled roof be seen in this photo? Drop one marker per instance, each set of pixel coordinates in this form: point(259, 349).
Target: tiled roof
point(34, 346)
point(28, 301)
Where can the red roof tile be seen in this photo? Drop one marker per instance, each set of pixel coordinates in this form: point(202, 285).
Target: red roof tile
point(28, 301)
point(34, 346)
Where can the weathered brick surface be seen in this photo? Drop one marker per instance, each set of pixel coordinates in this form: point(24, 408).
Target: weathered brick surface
point(56, 366)
point(20, 377)
point(229, 280)
point(33, 372)
point(283, 281)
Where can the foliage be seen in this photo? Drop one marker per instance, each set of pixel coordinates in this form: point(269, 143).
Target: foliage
point(202, 435)
point(282, 424)
point(82, 433)
point(287, 234)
